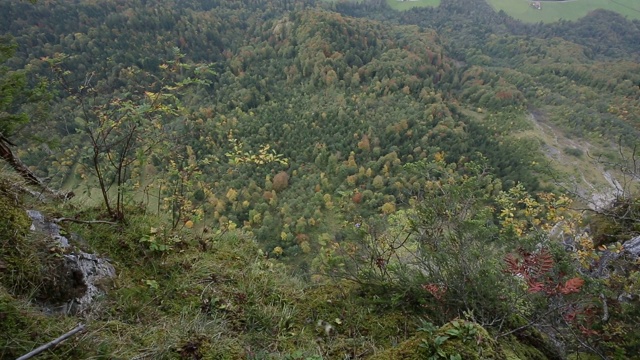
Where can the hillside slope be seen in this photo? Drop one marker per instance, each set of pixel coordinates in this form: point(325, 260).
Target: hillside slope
point(293, 182)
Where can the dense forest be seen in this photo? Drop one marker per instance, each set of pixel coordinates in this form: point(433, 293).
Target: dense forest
point(345, 138)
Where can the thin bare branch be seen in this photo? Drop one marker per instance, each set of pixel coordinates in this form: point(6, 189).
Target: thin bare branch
point(59, 220)
point(52, 343)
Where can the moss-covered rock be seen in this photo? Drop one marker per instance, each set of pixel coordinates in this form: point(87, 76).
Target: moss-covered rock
point(529, 342)
point(457, 339)
point(515, 350)
point(411, 349)
point(469, 340)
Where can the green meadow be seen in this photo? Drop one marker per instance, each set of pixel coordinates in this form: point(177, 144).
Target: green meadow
point(571, 10)
point(407, 4)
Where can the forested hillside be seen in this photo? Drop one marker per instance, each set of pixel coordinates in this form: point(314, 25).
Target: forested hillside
point(324, 131)
point(346, 102)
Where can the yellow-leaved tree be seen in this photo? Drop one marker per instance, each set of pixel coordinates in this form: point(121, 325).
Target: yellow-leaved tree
point(119, 131)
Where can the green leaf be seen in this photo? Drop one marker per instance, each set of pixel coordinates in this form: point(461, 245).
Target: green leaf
point(440, 340)
point(453, 332)
point(426, 326)
point(152, 284)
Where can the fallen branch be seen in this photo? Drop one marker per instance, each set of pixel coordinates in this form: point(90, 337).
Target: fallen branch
point(24, 189)
point(7, 155)
point(59, 220)
point(605, 308)
point(52, 343)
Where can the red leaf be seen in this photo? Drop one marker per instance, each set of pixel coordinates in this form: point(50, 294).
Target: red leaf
point(572, 285)
point(513, 264)
point(569, 317)
point(587, 332)
point(535, 287)
point(544, 261)
point(437, 291)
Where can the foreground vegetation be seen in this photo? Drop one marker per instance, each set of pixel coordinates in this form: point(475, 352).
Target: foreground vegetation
point(292, 180)
point(209, 296)
point(433, 281)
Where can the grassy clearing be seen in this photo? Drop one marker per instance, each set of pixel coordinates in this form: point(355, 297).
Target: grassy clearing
point(402, 5)
point(409, 4)
point(572, 161)
point(567, 161)
point(573, 10)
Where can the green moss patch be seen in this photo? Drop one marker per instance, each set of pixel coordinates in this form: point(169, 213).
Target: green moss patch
point(19, 261)
point(515, 350)
point(23, 328)
point(458, 339)
point(30, 263)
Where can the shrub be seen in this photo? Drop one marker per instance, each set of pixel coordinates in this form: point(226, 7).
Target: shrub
point(444, 255)
point(576, 152)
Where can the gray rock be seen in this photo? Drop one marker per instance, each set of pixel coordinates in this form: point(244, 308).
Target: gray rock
point(632, 246)
point(94, 269)
point(84, 270)
point(40, 224)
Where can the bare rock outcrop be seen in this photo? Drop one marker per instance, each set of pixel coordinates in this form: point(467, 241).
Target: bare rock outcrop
point(78, 277)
